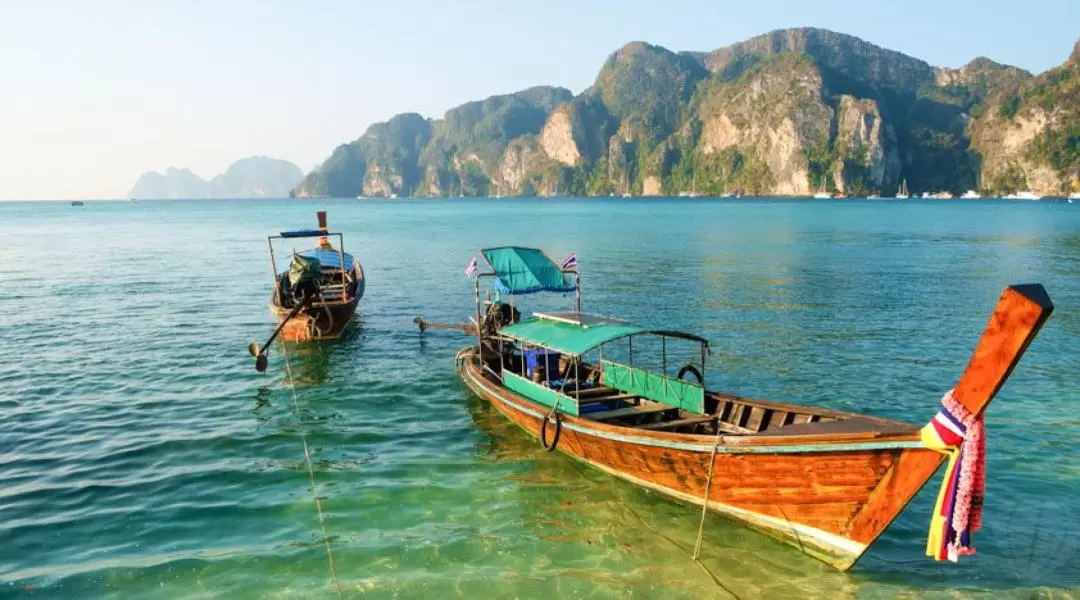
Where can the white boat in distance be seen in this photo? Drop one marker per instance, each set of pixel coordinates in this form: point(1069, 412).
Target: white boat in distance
point(971, 194)
point(902, 193)
point(1024, 195)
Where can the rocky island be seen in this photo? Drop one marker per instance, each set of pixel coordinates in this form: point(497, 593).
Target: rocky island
point(791, 112)
point(256, 176)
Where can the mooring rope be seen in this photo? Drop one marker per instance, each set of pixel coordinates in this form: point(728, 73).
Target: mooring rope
point(311, 475)
point(708, 488)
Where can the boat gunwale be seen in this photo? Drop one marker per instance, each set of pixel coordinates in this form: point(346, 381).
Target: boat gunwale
point(759, 442)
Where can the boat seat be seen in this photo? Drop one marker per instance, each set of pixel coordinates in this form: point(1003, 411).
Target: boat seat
point(676, 424)
point(631, 411)
point(332, 291)
point(598, 392)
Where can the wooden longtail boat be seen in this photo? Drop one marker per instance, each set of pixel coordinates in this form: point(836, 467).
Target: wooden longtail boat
point(333, 287)
point(825, 481)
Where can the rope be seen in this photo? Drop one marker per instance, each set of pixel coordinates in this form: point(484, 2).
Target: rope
point(705, 500)
point(311, 477)
point(712, 575)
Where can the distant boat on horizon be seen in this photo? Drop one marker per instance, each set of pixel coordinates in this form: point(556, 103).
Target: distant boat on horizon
point(822, 194)
point(970, 194)
point(1074, 196)
point(902, 193)
point(1024, 195)
point(76, 202)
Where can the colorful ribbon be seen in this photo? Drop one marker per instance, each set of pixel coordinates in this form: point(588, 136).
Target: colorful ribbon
point(959, 435)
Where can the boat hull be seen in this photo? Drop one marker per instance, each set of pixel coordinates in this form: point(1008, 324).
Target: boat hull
point(320, 322)
point(829, 498)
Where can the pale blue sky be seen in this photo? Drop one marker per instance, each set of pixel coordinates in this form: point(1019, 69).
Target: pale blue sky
point(97, 92)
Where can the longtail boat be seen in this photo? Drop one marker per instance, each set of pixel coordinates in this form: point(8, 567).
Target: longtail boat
point(825, 481)
point(315, 293)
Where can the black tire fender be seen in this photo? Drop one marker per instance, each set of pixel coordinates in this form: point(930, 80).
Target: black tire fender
point(543, 431)
point(689, 368)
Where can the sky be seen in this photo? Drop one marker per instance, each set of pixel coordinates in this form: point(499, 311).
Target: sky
point(96, 92)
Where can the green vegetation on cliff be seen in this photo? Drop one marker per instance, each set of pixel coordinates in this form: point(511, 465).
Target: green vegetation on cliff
point(788, 112)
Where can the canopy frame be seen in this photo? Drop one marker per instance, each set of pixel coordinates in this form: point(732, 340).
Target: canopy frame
point(492, 274)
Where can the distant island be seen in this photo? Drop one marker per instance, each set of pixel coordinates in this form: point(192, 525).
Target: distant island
point(791, 112)
point(256, 176)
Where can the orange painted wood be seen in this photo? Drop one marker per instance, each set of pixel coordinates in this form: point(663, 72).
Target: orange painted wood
point(1016, 321)
point(835, 485)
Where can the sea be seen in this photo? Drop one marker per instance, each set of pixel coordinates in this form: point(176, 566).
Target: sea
point(142, 456)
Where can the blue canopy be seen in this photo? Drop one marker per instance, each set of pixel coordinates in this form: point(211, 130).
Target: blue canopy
point(525, 271)
point(327, 258)
point(304, 233)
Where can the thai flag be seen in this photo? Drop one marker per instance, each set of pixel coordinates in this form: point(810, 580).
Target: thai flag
point(472, 268)
point(570, 262)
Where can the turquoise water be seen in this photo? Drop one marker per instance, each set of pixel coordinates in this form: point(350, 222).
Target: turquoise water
point(142, 456)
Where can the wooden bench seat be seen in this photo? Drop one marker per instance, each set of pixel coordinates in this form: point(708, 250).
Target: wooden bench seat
point(631, 411)
point(677, 423)
point(597, 391)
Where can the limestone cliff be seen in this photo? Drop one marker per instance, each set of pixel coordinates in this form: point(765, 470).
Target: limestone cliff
point(1027, 138)
point(788, 112)
point(255, 176)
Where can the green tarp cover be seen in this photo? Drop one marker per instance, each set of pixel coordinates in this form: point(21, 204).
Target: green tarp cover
point(303, 269)
point(568, 338)
point(654, 386)
point(525, 271)
point(539, 393)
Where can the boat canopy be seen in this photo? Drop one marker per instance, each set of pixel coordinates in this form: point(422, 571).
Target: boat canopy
point(575, 334)
point(327, 257)
point(305, 233)
point(525, 271)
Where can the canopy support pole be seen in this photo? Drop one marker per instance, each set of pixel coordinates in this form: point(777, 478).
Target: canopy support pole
point(479, 342)
point(663, 362)
point(577, 292)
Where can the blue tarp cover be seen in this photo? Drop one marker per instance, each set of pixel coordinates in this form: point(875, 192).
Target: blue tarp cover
point(303, 233)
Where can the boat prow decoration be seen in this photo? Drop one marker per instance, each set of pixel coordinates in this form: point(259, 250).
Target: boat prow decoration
point(825, 481)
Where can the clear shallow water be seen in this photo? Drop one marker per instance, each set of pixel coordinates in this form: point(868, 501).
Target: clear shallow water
point(142, 456)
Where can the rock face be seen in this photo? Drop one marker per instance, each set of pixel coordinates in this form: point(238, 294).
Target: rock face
point(557, 138)
point(1027, 138)
point(256, 176)
point(788, 113)
point(867, 147)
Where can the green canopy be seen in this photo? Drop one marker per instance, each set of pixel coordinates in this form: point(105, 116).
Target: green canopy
point(568, 338)
point(525, 271)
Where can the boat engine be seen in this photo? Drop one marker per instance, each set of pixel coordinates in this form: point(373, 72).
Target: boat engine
point(498, 315)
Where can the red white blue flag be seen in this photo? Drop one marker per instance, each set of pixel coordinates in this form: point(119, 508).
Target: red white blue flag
point(570, 262)
point(472, 268)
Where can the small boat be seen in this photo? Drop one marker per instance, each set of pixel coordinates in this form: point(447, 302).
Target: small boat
point(77, 203)
point(315, 292)
point(1074, 196)
point(824, 481)
point(1024, 195)
point(822, 194)
point(873, 197)
point(970, 195)
point(902, 193)
point(943, 195)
